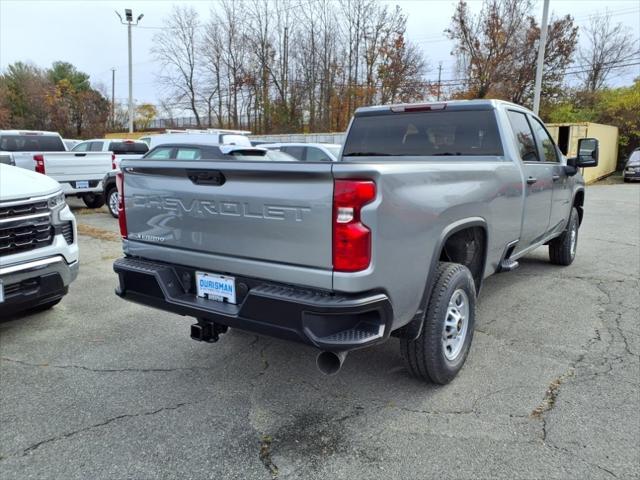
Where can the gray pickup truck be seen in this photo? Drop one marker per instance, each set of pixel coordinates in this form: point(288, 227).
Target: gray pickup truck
point(395, 238)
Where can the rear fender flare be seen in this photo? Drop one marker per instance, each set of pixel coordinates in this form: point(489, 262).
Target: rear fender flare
point(413, 329)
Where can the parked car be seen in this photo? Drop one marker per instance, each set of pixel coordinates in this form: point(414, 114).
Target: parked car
point(185, 152)
point(631, 169)
point(69, 143)
point(120, 147)
point(17, 147)
point(308, 152)
point(395, 238)
point(38, 246)
point(211, 136)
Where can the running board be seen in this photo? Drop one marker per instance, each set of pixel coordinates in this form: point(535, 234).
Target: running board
point(507, 265)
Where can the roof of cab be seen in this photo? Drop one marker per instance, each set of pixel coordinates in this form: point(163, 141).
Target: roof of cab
point(28, 132)
point(444, 105)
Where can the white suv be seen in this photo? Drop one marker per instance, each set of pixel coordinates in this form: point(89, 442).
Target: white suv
point(38, 242)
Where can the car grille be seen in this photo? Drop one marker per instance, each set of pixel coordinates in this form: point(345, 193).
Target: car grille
point(24, 227)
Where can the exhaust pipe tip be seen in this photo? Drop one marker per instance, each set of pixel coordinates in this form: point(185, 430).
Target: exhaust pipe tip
point(330, 363)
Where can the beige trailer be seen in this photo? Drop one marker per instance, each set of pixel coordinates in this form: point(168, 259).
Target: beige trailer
point(567, 135)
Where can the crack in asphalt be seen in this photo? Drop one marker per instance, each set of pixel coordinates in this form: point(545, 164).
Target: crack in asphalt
point(577, 457)
point(608, 360)
point(64, 436)
point(265, 455)
point(103, 370)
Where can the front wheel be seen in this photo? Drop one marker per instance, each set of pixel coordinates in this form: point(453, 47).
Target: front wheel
point(440, 351)
point(562, 249)
point(93, 200)
point(112, 201)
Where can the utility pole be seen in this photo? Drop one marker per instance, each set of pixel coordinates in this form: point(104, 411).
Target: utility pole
point(540, 65)
point(113, 97)
point(439, 79)
point(129, 23)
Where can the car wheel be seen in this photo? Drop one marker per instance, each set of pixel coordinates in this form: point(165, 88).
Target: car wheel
point(93, 200)
point(112, 201)
point(438, 354)
point(562, 249)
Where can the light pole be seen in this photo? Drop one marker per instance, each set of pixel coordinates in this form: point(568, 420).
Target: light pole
point(537, 88)
point(129, 23)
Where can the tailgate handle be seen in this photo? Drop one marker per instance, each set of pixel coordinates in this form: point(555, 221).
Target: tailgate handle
point(79, 154)
point(206, 177)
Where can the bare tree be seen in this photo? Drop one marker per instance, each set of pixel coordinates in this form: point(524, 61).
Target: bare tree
point(608, 46)
point(176, 48)
point(486, 43)
point(496, 50)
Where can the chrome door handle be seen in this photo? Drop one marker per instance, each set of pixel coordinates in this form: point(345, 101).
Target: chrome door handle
point(531, 180)
point(555, 178)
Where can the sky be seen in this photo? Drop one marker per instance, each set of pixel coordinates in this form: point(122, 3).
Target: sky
point(89, 35)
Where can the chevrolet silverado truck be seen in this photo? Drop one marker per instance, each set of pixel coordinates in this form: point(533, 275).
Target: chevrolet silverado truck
point(393, 239)
point(79, 173)
point(38, 242)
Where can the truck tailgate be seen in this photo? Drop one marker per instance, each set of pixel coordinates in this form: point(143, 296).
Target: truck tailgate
point(267, 211)
point(72, 166)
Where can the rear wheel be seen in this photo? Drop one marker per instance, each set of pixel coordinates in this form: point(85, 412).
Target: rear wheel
point(112, 201)
point(562, 249)
point(440, 351)
point(93, 200)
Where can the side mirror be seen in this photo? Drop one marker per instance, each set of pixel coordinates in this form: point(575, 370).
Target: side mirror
point(588, 153)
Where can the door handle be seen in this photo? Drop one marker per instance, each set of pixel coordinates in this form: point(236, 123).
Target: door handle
point(531, 180)
point(555, 178)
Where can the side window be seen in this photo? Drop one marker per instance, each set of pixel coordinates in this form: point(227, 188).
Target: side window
point(295, 152)
point(188, 154)
point(96, 146)
point(81, 147)
point(314, 154)
point(524, 136)
point(160, 153)
point(545, 142)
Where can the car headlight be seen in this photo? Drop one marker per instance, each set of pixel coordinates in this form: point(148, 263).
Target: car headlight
point(57, 201)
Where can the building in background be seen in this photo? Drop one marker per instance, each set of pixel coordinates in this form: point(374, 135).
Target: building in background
point(566, 135)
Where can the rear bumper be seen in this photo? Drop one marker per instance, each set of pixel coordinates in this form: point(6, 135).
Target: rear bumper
point(34, 283)
point(328, 321)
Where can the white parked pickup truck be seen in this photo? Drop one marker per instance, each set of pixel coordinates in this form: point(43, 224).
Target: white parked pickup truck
point(38, 242)
point(79, 173)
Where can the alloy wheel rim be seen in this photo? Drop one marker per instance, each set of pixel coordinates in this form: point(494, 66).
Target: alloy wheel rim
point(574, 239)
point(113, 202)
point(456, 325)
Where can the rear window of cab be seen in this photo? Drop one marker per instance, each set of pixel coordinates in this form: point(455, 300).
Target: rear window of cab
point(434, 133)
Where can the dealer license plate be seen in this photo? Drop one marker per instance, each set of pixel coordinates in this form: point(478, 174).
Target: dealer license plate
point(216, 287)
point(82, 184)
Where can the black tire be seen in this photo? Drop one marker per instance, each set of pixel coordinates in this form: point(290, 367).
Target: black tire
point(93, 200)
point(425, 357)
point(111, 204)
point(562, 249)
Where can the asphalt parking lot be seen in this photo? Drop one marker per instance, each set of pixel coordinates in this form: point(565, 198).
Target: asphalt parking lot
point(101, 388)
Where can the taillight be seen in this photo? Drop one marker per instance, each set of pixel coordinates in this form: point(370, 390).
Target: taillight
point(122, 215)
point(351, 238)
point(113, 162)
point(39, 159)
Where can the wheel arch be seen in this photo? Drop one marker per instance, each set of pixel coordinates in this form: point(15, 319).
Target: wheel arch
point(413, 329)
